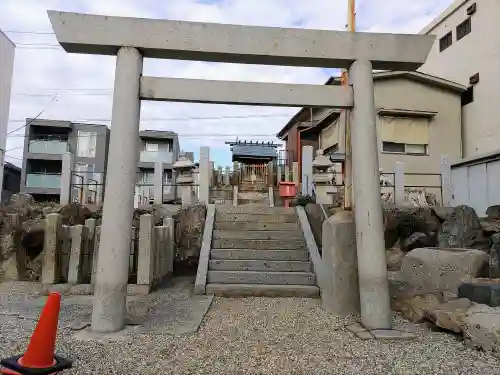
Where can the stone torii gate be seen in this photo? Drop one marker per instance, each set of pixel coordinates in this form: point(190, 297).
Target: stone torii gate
point(132, 39)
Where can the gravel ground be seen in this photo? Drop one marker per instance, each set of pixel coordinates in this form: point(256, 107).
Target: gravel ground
point(262, 336)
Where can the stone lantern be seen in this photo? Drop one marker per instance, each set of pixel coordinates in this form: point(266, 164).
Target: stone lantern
point(323, 176)
point(184, 178)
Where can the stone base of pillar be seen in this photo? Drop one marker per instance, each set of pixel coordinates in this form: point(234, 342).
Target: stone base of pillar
point(341, 295)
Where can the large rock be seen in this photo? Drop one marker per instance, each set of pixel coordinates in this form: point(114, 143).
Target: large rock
point(481, 328)
point(493, 212)
point(439, 271)
point(74, 214)
point(494, 271)
point(401, 223)
point(414, 309)
point(394, 258)
point(483, 291)
point(463, 229)
point(22, 199)
point(189, 225)
point(449, 315)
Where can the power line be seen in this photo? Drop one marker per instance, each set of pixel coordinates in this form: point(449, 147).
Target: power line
point(33, 119)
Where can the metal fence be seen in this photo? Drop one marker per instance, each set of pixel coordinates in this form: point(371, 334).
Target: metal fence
point(87, 187)
point(432, 183)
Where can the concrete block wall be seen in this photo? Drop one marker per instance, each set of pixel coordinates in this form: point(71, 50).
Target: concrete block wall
point(70, 253)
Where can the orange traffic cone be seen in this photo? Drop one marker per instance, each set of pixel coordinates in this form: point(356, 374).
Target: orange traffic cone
point(39, 357)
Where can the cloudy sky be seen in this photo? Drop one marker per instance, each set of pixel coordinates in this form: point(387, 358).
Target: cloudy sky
point(78, 87)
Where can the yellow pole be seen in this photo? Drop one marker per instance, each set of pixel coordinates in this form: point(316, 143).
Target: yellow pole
point(348, 198)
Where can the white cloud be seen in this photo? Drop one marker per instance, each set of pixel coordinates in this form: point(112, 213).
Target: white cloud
point(47, 72)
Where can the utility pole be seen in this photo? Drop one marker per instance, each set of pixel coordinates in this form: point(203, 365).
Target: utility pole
point(348, 196)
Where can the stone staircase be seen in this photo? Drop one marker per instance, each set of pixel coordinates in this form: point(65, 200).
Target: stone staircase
point(259, 251)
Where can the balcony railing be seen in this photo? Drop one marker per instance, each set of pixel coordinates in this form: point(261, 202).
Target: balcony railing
point(43, 180)
point(48, 146)
point(153, 156)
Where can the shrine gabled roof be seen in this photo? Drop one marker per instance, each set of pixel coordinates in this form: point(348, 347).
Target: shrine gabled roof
point(254, 150)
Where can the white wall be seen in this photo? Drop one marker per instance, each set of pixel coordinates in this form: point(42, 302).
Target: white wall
point(7, 50)
point(476, 185)
point(477, 52)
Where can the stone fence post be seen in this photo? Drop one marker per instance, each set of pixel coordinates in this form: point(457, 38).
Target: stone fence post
point(399, 183)
point(446, 183)
point(50, 268)
point(145, 264)
point(67, 165)
point(78, 235)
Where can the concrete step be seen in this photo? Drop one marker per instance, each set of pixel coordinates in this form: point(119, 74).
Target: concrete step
point(238, 243)
point(253, 209)
point(252, 254)
point(258, 277)
point(259, 265)
point(260, 218)
point(240, 225)
point(257, 235)
point(255, 290)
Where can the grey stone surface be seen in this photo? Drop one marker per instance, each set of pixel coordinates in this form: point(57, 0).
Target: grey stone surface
point(251, 277)
point(462, 229)
point(360, 332)
point(256, 218)
point(260, 265)
point(86, 33)
point(392, 334)
point(414, 308)
point(239, 243)
point(434, 271)
point(483, 291)
point(481, 328)
point(173, 310)
point(341, 294)
point(245, 254)
point(279, 235)
point(262, 290)
point(247, 93)
point(254, 226)
point(493, 212)
point(201, 274)
point(494, 270)
point(449, 315)
point(50, 272)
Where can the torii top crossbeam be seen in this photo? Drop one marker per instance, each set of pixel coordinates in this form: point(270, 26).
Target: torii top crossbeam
point(104, 35)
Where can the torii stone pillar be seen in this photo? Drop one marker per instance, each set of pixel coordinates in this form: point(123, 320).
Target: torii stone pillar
point(372, 264)
point(110, 291)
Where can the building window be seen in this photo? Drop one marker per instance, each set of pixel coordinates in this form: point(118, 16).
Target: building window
point(468, 96)
point(404, 148)
point(445, 41)
point(151, 147)
point(464, 28)
point(86, 144)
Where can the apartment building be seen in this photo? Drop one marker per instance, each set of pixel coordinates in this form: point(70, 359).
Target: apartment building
point(7, 52)
point(467, 51)
point(46, 141)
point(156, 146)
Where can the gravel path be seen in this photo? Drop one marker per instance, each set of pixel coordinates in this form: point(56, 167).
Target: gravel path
point(262, 336)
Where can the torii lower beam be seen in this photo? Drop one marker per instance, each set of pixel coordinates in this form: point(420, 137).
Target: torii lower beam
point(245, 93)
